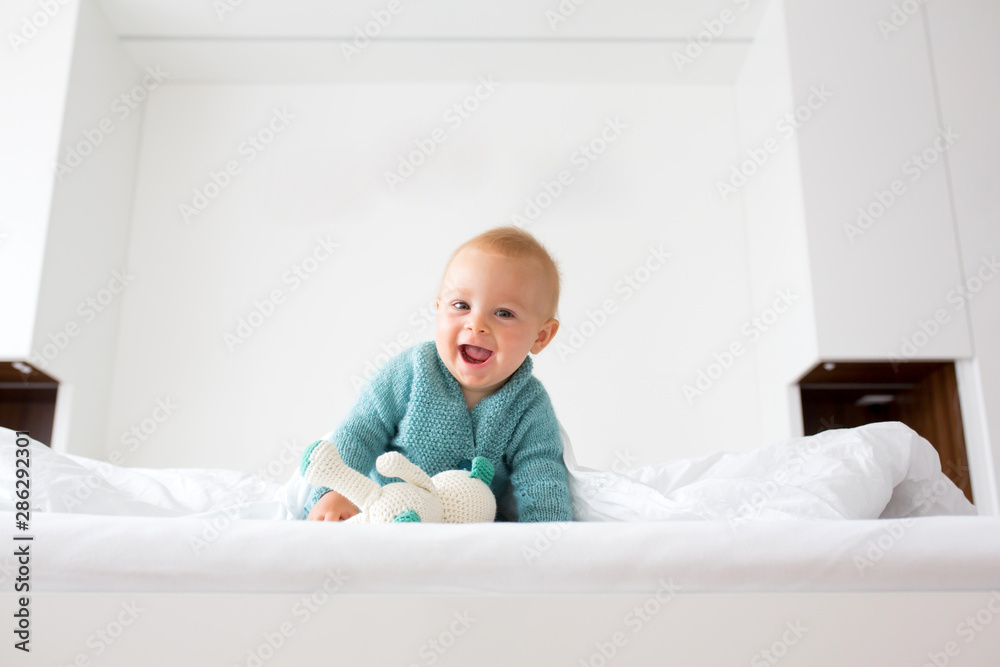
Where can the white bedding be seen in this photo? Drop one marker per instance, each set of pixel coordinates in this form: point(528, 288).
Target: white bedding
point(198, 555)
point(883, 470)
point(103, 528)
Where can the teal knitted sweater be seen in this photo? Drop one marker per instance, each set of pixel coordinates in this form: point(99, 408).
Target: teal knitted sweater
point(414, 405)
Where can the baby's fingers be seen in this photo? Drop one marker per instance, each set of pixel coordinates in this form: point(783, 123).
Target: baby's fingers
point(318, 514)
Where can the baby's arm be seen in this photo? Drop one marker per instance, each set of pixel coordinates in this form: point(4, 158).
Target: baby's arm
point(538, 477)
point(366, 431)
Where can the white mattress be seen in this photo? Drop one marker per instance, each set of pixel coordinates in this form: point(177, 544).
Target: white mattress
point(864, 509)
point(73, 552)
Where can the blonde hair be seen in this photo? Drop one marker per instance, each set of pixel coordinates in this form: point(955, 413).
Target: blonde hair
point(515, 243)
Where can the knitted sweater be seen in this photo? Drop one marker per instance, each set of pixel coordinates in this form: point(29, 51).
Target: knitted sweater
point(414, 405)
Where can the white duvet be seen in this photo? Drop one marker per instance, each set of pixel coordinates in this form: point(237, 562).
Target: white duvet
point(883, 470)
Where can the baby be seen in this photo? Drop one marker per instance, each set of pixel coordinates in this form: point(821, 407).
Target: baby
point(470, 392)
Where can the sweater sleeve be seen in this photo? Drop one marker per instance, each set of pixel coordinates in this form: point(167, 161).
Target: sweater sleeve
point(373, 420)
point(538, 477)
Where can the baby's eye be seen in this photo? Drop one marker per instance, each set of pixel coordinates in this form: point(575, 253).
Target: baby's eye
point(460, 304)
point(507, 316)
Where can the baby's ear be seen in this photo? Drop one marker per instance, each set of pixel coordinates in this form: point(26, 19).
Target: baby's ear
point(545, 335)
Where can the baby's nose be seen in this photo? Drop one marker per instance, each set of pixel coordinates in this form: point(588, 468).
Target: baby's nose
point(476, 325)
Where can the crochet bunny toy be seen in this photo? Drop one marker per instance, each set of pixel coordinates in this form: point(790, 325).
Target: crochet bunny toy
point(452, 496)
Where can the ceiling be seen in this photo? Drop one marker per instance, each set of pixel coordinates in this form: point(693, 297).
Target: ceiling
point(627, 41)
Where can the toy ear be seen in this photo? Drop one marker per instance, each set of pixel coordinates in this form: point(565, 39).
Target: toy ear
point(394, 464)
point(482, 469)
point(322, 466)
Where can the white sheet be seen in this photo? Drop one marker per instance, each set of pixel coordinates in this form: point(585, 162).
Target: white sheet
point(195, 554)
point(881, 470)
point(103, 528)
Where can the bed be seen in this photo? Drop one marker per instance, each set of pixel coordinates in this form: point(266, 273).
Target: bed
point(845, 549)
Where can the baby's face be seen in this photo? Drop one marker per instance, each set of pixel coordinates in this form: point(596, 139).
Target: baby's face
point(497, 306)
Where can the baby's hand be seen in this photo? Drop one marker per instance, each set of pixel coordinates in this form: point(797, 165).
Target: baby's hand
point(332, 507)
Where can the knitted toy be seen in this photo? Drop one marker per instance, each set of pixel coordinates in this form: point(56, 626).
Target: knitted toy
point(452, 496)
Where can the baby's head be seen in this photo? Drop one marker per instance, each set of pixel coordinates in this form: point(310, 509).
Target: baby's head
point(498, 301)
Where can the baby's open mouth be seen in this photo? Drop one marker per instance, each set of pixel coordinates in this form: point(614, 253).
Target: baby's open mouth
point(475, 355)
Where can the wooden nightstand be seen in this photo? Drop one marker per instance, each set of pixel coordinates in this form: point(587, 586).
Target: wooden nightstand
point(922, 395)
point(27, 399)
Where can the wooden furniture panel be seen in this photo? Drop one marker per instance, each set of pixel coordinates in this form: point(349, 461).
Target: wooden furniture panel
point(922, 395)
point(27, 400)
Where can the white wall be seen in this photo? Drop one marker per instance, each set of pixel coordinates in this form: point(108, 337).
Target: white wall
point(34, 71)
point(878, 288)
point(620, 394)
point(962, 38)
point(180, 396)
point(785, 345)
point(893, 133)
point(76, 325)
